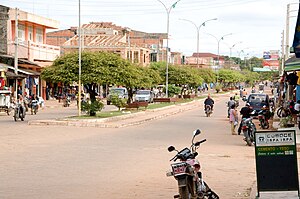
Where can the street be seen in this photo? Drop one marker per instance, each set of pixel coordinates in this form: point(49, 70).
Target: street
point(128, 163)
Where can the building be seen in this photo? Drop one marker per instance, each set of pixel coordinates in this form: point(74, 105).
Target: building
point(28, 45)
point(136, 46)
point(205, 60)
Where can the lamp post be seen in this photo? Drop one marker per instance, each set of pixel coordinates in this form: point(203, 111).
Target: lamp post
point(198, 31)
point(242, 51)
point(79, 61)
point(168, 11)
point(219, 40)
point(231, 51)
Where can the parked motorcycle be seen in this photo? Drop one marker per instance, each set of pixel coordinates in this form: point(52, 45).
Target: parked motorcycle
point(248, 128)
point(187, 173)
point(34, 106)
point(19, 112)
point(208, 110)
point(67, 101)
point(263, 119)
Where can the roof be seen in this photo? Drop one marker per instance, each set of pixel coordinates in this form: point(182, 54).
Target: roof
point(205, 55)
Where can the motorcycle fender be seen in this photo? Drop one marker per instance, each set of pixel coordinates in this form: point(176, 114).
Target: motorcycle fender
point(182, 181)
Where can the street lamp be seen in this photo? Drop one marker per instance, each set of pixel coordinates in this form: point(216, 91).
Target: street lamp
point(231, 50)
point(168, 10)
point(79, 61)
point(219, 40)
point(198, 31)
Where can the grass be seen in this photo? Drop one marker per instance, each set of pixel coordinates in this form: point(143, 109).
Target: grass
point(108, 114)
point(103, 115)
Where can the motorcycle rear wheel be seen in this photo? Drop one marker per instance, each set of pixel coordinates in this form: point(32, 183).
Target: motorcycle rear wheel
point(266, 125)
point(248, 140)
point(184, 192)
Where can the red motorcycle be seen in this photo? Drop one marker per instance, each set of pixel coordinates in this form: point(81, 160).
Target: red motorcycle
point(187, 172)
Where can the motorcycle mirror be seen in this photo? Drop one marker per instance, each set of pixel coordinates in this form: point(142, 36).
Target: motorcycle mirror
point(197, 132)
point(171, 148)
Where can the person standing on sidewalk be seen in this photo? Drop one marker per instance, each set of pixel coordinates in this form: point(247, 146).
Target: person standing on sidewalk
point(233, 119)
point(229, 104)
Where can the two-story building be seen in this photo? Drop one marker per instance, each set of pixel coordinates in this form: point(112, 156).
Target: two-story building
point(23, 35)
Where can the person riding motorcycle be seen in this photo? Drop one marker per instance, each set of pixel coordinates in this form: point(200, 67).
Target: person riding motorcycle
point(209, 101)
point(245, 113)
point(266, 112)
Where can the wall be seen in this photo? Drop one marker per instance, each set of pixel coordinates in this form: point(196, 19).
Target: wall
point(3, 29)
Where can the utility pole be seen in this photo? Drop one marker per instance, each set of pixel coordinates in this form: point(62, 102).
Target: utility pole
point(16, 54)
point(287, 30)
point(280, 70)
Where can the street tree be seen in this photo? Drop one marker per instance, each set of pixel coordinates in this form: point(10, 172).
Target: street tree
point(98, 68)
point(228, 77)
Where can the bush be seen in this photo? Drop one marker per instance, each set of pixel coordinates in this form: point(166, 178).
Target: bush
point(92, 107)
point(118, 102)
point(218, 87)
point(173, 90)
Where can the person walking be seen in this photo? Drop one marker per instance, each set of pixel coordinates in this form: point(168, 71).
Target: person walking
point(233, 119)
point(229, 104)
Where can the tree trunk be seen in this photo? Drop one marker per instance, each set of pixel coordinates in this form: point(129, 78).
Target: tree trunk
point(92, 91)
point(130, 95)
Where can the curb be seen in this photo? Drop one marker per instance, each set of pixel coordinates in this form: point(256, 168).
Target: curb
point(104, 122)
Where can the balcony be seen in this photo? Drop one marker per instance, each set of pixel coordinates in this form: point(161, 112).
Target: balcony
point(35, 51)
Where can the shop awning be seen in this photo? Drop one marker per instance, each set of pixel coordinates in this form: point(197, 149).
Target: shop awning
point(24, 71)
point(256, 69)
point(292, 64)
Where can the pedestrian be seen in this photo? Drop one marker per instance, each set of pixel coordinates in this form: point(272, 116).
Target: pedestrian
point(229, 104)
point(233, 119)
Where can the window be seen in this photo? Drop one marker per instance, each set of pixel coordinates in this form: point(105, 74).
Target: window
point(21, 32)
point(39, 35)
point(30, 33)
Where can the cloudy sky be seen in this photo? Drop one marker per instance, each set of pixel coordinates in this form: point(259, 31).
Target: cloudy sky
point(256, 25)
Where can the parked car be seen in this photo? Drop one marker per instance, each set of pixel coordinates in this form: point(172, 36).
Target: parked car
point(121, 92)
point(144, 96)
point(257, 101)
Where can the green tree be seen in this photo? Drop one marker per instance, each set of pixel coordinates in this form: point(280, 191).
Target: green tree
point(228, 77)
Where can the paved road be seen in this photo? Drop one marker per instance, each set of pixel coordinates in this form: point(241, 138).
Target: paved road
point(70, 162)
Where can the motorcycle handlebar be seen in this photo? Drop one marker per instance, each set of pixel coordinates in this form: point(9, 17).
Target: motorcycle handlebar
point(200, 142)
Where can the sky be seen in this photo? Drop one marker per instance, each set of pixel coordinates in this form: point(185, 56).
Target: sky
point(254, 26)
